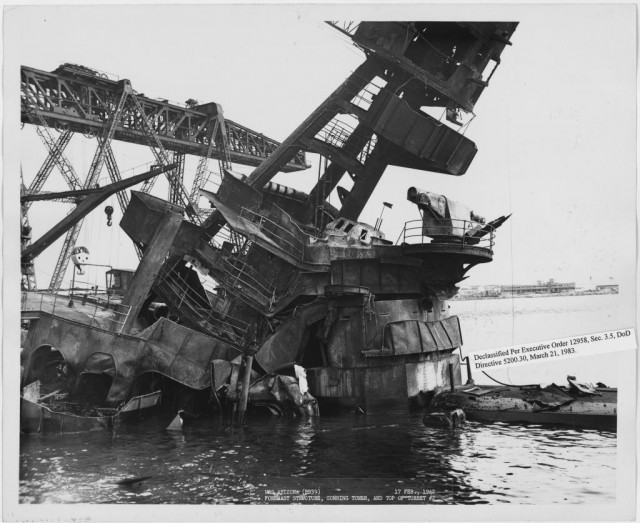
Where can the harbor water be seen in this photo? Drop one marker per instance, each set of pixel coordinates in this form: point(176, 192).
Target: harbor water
point(382, 458)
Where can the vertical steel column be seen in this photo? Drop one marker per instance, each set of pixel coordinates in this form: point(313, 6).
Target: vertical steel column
point(114, 175)
point(163, 159)
point(244, 394)
point(364, 184)
point(174, 191)
point(27, 268)
point(49, 163)
point(150, 265)
point(334, 172)
point(55, 148)
point(311, 125)
point(225, 161)
point(202, 175)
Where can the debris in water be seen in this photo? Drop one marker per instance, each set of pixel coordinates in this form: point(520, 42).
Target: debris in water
point(177, 422)
point(132, 481)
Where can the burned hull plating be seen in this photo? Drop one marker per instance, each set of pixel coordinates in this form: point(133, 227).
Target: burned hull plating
point(552, 405)
point(38, 418)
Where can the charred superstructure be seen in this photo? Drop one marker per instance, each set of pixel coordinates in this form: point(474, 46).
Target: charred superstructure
point(290, 281)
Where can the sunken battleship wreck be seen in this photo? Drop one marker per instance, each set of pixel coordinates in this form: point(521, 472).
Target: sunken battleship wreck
point(272, 298)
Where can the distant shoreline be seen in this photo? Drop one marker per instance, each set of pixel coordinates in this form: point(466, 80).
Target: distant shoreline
point(530, 295)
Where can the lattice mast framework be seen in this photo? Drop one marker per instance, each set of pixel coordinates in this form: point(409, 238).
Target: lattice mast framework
point(409, 65)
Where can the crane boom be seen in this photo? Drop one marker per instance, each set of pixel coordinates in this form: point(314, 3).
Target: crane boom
point(74, 98)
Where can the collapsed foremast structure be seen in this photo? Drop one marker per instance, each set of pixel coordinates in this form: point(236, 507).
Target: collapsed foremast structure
point(299, 283)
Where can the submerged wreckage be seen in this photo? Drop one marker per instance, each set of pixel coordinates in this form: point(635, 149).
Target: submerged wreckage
point(308, 306)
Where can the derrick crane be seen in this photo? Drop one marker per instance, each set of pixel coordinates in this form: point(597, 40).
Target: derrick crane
point(217, 140)
point(88, 199)
point(75, 99)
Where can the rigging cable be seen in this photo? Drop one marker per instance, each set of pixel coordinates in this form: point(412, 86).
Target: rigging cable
point(513, 312)
point(505, 384)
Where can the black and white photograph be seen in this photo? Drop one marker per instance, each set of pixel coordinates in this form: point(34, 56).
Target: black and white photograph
point(313, 262)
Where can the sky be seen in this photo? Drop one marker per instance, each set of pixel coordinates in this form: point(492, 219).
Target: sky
point(555, 129)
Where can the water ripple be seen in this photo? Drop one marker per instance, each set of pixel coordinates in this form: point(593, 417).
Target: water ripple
point(208, 463)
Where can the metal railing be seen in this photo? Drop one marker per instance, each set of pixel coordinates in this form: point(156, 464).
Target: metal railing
point(224, 235)
point(239, 277)
point(177, 291)
point(275, 232)
point(365, 97)
point(49, 302)
point(337, 132)
point(465, 233)
point(368, 148)
point(347, 27)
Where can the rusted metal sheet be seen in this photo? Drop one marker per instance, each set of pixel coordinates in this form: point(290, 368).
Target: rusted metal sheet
point(143, 216)
point(168, 348)
point(64, 418)
point(285, 346)
point(384, 383)
point(333, 382)
point(152, 260)
point(414, 336)
point(272, 229)
point(432, 374)
point(438, 147)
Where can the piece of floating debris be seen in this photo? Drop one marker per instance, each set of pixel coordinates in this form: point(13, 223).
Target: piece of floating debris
point(577, 405)
point(453, 419)
point(132, 481)
point(177, 422)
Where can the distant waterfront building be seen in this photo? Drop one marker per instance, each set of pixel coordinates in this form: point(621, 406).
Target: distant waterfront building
point(549, 287)
point(611, 288)
point(491, 291)
point(479, 291)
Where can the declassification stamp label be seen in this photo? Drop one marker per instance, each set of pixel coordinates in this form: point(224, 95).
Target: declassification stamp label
point(558, 349)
